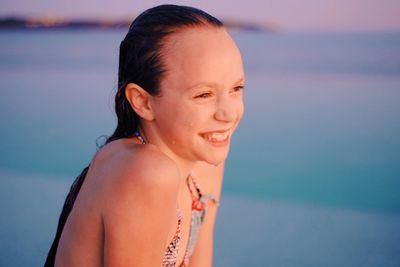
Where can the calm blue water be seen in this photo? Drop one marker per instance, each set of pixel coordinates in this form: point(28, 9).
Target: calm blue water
point(322, 122)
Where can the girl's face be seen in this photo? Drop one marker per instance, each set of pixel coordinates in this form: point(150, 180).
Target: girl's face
point(201, 100)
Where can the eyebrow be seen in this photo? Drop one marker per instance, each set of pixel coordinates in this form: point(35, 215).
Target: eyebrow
point(211, 84)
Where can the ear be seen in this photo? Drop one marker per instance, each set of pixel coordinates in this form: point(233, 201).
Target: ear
point(139, 100)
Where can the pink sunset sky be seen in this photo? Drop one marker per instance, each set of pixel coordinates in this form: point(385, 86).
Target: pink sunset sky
point(289, 15)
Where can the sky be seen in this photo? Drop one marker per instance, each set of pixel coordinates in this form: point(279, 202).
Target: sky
point(286, 15)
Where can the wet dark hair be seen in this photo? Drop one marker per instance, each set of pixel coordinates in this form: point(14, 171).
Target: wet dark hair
point(140, 56)
point(140, 62)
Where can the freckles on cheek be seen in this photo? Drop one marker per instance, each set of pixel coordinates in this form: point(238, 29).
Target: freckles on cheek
point(186, 117)
point(188, 123)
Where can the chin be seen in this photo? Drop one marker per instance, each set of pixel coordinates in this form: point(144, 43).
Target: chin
point(215, 158)
point(215, 163)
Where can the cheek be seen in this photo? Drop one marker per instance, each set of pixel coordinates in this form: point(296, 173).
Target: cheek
point(239, 112)
point(181, 118)
point(195, 119)
point(240, 108)
point(190, 119)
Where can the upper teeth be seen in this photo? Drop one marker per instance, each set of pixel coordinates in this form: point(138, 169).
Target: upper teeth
point(216, 137)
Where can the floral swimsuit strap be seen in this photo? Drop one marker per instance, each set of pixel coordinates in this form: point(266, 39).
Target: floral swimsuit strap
point(171, 253)
point(199, 210)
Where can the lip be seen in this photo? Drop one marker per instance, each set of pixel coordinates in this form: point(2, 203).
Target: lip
point(216, 143)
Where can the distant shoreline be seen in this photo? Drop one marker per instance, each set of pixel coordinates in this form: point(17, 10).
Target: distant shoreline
point(57, 23)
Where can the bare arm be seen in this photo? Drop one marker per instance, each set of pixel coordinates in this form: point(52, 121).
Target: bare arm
point(210, 181)
point(134, 233)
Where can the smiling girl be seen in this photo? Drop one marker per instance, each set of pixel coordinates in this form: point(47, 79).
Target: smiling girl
point(149, 195)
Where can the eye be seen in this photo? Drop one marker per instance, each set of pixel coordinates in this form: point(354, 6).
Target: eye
point(204, 95)
point(238, 88)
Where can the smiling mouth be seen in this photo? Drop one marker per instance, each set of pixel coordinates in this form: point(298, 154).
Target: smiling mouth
point(217, 137)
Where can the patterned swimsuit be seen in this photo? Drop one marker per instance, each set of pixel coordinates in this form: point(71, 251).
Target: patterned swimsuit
point(199, 205)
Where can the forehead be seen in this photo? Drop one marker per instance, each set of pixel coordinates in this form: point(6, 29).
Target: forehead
point(200, 54)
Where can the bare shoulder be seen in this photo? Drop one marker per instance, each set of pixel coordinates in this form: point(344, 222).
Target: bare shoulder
point(151, 165)
point(138, 203)
point(129, 164)
point(140, 173)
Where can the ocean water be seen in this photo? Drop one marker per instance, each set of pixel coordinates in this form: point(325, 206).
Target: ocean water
point(321, 126)
point(320, 136)
point(323, 120)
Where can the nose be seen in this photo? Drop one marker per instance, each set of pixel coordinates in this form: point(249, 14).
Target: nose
point(226, 110)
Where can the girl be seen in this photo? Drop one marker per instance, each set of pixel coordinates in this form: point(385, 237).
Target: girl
point(148, 197)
